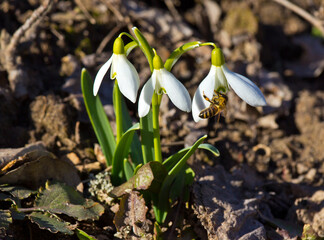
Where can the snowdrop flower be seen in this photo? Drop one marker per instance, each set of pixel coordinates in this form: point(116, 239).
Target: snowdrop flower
point(220, 78)
point(122, 70)
point(162, 81)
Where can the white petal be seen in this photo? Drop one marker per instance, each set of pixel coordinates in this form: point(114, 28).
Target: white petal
point(244, 88)
point(177, 93)
point(100, 75)
point(145, 98)
point(206, 86)
point(221, 81)
point(155, 80)
point(127, 77)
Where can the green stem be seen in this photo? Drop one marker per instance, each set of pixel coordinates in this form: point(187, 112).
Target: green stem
point(128, 35)
point(156, 128)
point(118, 112)
point(208, 44)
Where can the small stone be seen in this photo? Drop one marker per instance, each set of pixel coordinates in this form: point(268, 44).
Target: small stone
point(311, 174)
point(301, 168)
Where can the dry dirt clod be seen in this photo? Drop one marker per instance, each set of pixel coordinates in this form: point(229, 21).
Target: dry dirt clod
point(223, 210)
point(53, 119)
point(310, 210)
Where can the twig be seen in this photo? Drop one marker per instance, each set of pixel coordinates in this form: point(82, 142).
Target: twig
point(18, 77)
point(35, 18)
point(172, 9)
point(120, 17)
point(107, 38)
point(85, 11)
point(301, 12)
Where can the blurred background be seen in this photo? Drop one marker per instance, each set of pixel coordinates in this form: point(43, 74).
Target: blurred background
point(277, 149)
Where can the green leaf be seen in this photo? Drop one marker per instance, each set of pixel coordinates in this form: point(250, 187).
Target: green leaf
point(162, 207)
point(17, 191)
point(121, 152)
point(130, 46)
point(172, 160)
point(50, 222)
point(181, 163)
point(5, 219)
point(98, 118)
point(317, 33)
point(146, 124)
point(310, 234)
point(180, 185)
point(82, 235)
point(62, 199)
point(209, 148)
point(128, 169)
point(149, 177)
point(136, 151)
point(145, 47)
point(176, 54)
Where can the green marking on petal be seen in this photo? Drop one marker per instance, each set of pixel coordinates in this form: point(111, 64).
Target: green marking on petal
point(113, 75)
point(161, 91)
point(221, 89)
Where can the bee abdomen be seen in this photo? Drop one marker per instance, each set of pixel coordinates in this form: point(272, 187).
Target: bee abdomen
point(208, 112)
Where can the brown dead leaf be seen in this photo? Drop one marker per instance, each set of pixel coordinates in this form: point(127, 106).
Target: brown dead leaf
point(7, 155)
point(37, 166)
point(130, 220)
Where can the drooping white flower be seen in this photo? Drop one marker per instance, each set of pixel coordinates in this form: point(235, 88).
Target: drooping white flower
point(220, 78)
point(121, 69)
point(162, 81)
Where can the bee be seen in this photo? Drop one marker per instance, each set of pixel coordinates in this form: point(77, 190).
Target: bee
point(217, 105)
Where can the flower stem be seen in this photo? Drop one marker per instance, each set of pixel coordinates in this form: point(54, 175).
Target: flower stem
point(118, 112)
point(208, 44)
point(156, 128)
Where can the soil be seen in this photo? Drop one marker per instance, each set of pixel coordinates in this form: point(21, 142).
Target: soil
point(270, 172)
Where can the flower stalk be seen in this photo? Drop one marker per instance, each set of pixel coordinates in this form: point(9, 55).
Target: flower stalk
point(118, 112)
point(156, 128)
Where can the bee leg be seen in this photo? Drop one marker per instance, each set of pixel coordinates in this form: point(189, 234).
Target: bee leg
point(217, 95)
point(207, 98)
point(218, 117)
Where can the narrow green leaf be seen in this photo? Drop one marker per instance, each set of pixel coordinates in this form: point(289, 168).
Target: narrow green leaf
point(130, 46)
point(209, 148)
point(82, 235)
point(136, 151)
point(145, 46)
point(98, 118)
point(137, 168)
point(176, 54)
point(121, 152)
point(147, 138)
point(172, 160)
point(163, 202)
point(183, 160)
point(128, 169)
point(180, 185)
